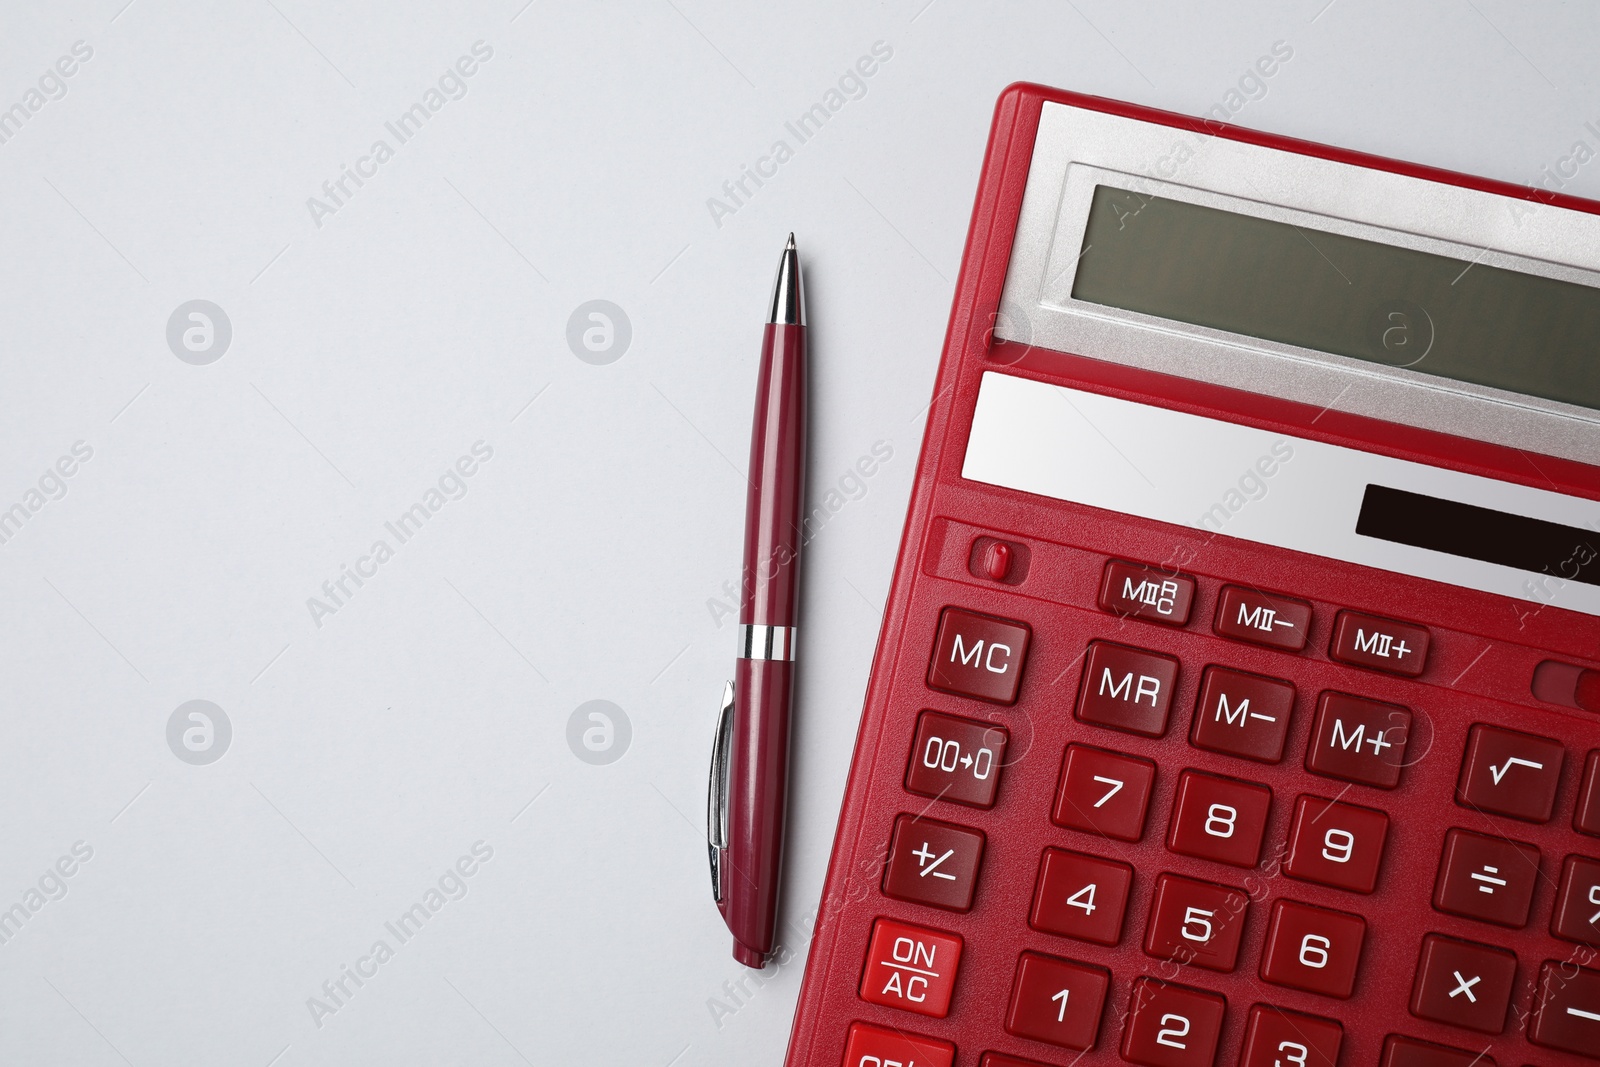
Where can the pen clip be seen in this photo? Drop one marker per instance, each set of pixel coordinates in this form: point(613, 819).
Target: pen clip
point(717, 792)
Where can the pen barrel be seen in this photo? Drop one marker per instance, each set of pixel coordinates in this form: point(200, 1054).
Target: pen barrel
point(758, 760)
point(774, 526)
point(757, 802)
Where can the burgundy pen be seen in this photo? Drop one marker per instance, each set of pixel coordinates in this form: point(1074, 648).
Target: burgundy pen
point(750, 762)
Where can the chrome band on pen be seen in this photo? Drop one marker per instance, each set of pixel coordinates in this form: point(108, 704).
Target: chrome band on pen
point(758, 641)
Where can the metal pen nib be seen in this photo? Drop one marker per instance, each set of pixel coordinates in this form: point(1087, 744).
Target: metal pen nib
point(788, 302)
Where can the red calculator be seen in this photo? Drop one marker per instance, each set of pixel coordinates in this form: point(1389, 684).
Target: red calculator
point(1237, 702)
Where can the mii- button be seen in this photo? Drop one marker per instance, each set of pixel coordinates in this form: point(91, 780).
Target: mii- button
point(978, 656)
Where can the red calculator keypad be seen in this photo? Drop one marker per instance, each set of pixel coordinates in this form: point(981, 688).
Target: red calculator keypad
point(911, 967)
point(1144, 592)
point(1250, 615)
point(957, 759)
point(1171, 1025)
point(874, 1046)
point(1506, 772)
point(1196, 922)
point(1368, 868)
point(1057, 1001)
point(1277, 1038)
point(1127, 688)
point(1359, 740)
point(1081, 896)
point(1487, 878)
point(1242, 714)
point(933, 863)
point(1577, 912)
point(1313, 949)
point(1336, 844)
point(978, 656)
point(1221, 819)
point(1378, 643)
point(1463, 983)
point(1104, 792)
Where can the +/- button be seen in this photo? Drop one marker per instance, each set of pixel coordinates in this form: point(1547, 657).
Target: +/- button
point(934, 863)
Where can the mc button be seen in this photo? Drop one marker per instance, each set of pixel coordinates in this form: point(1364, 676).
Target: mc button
point(978, 656)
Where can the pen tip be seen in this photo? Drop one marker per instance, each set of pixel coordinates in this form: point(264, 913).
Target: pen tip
point(790, 246)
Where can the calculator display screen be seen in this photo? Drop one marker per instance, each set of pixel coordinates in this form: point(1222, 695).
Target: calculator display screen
point(1453, 318)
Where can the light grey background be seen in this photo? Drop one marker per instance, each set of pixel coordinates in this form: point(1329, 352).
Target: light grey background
point(585, 561)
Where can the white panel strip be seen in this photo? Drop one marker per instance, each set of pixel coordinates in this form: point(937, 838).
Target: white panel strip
point(1242, 482)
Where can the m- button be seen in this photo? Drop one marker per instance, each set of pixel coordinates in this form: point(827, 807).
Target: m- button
point(1378, 643)
point(978, 656)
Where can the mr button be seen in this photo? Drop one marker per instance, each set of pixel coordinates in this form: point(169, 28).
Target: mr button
point(1127, 688)
point(978, 656)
